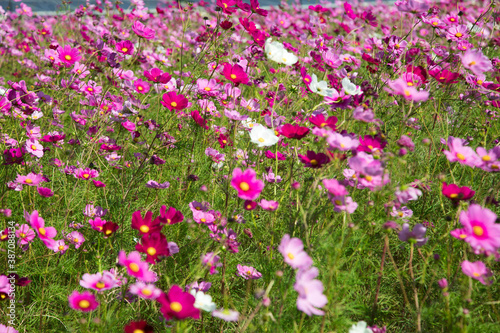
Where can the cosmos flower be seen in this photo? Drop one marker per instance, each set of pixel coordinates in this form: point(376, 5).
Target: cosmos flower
point(136, 267)
point(246, 184)
point(84, 302)
point(178, 304)
point(310, 290)
point(263, 136)
point(248, 272)
point(478, 271)
point(293, 252)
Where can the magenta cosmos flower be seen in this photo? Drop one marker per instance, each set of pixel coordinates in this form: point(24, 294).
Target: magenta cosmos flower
point(293, 252)
point(45, 233)
point(68, 55)
point(142, 87)
point(478, 271)
point(45, 192)
point(248, 272)
point(136, 267)
point(25, 234)
point(310, 292)
point(460, 153)
point(157, 75)
point(172, 101)
point(482, 233)
point(235, 74)
point(85, 301)
point(178, 304)
point(125, 47)
point(142, 31)
point(456, 193)
point(247, 184)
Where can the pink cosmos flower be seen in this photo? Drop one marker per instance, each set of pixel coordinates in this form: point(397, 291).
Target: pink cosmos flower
point(142, 31)
point(407, 193)
point(460, 153)
point(172, 101)
point(310, 292)
point(341, 142)
point(235, 74)
point(68, 55)
point(125, 47)
point(59, 246)
point(344, 203)
point(178, 304)
point(478, 271)
point(293, 252)
point(400, 87)
point(46, 234)
point(3, 328)
point(34, 147)
point(248, 272)
point(146, 291)
point(203, 217)
point(129, 126)
point(482, 233)
point(490, 159)
point(334, 187)
point(99, 281)
point(85, 301)
point(170, 216)
point(45, 192)
point(76, 238)
point(142, 87)
point(31, 179)
point(81, 70)
point(476, 61)
point(247, 184)
point(268, 205)
point(457, 33)
point(212, 261)
point(157, 75)
point(86, 173)
point(97, 223)
point(25, 234)
point(136, 267)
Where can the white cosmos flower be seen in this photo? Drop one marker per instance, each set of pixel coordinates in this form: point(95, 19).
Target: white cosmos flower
point(262, 136)
point(248, 123)
point(360, 327)
point(350, 88)
point(277, 52)
point(203, 301)
point(321, 87)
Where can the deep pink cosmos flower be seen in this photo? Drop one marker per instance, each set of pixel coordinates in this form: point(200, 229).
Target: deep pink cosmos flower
point(235, 74)
point(482, 233)
point(157, 75)
point(444, 76)
point(314, 160)
point(460, 153)
point(25, 234)
point(226, 6)
point(178, 304)
point(293, 131)
point(46, 234)
point(348, 11)
point(172, 101)
point(321, 122)
point(142, 31)
point(85, 301)
point(247, 184)
point(293, 252)
point(125, 47)
point(310, 292)
point(170, 216)
point(370, 144)
point(136, 267)
point(68, 55)
point(76, 238)
point(456, 193)
point(154, 245)
point(145, 225)
point(248, 272)
point(334, 187)
point(85, 174)
point(142, 87)
point(45, 192)
point(478, 271)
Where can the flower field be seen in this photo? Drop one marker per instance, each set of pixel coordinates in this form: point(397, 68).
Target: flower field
point(220, 167)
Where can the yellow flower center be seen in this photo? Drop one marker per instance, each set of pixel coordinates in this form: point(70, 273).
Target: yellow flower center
point(486, 158)
point(207, 88)
point(134, 267)
point(33, 147)
point(203, 220)
point(61, 247)
point(462, 236)
point(472, 63)
point(261, 140)
point(67, 57)
point(290, 255)
point(138, 331)
point(461, 157)
point(369, 178)
point(478, 231)
point(458, 34)
point(173, 104)
point(244, 186)
point(41, 231)
point(140, 88)
point(146, 291)
point(144, 229)
point(233, 76)
point(476, 274)
point(100, 285)
point(22, 234)
point(86, 175)
point(407, 92)
point(176, 306)
point(453, 195)
point(151, 251)
point(84, 304)
point(28, 181)
point(409, 84)
point(108, 232)
point(314, 162)
point(124, 49)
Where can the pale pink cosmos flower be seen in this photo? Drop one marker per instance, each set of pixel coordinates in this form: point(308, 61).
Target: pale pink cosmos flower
point(342, 142)
point(476, 61)
point(407, 193)
point(203, 217)
point(59, 246)
point(293, 252)
point(248, 272)
point(136, 267)
point(343, 203)
point(99, 281)
point(25, 234)
point(310, 290)
point(34, 147)
point(460, 153)
point(212, 261)
point(75, 238)
point(146, 291)
point(7, 329)
point(268, 205)
point(334, 187)
point(490, 159)
point(85, 301)
point(31, 179)
point(247, 184)
point(400, 87)
point(478, 271)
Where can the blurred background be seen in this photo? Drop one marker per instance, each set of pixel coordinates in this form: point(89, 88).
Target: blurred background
point(55, 5)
